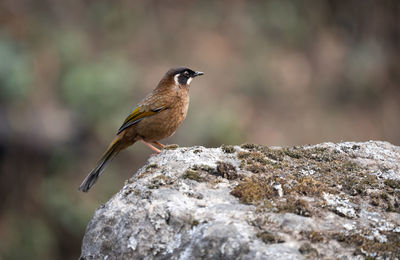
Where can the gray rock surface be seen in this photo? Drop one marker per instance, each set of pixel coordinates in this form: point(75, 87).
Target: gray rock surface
point(333, 201)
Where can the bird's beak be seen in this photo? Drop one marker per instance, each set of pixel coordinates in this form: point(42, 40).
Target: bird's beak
point(198, 73)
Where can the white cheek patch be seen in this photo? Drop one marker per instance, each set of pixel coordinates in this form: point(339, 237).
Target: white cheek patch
point(189, 80)
point(176, 79)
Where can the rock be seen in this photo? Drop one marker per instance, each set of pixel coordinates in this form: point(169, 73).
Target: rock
point(335, 201)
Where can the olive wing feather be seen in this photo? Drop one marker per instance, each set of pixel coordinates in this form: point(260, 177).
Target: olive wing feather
point(137, 115)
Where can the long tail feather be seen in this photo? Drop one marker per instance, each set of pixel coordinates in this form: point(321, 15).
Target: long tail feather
point(91, 179)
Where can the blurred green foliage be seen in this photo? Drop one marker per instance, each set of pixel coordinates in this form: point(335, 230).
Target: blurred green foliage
point(86, 87)
point(277, 72)
point(20, 243)
point(15, 72)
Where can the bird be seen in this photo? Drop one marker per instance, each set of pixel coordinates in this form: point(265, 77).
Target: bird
point(156, 117)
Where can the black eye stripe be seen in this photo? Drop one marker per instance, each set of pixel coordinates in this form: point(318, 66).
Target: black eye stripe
point(182, 79)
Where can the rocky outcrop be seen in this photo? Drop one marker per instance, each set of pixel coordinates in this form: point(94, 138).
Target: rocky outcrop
point(335, 201)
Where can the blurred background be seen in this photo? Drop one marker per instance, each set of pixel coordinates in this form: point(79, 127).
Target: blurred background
point(276, 73)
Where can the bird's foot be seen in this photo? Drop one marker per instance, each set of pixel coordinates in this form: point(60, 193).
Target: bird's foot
point(151, 147)
point(159, 144)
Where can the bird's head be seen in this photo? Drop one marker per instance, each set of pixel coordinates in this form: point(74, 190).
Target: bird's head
point(182, 75)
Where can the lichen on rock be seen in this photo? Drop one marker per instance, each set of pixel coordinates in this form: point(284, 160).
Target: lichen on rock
point(253, 201)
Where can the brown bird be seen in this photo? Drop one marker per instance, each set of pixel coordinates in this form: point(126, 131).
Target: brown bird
point(156, 117)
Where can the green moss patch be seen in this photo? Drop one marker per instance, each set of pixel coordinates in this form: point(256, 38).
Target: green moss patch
point(160, 180)
point(192, 175)
point(362, 241)
point(151, 167)
point(171, 147)
point(253, 190)
point(228, 148)
point(313, 236)
point(200, 173)
point(308, 250)
point(310, 171)
point(195, 223)
point(204, 168)
point(296, 206)
point(371, 247)
point(226, 170)
point(259, 188)
point(269, 238)
point(394, 184)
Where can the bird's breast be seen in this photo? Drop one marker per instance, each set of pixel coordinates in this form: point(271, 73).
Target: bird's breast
point(164, 123)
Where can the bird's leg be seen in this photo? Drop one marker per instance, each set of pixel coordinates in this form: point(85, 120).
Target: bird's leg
point(159, 144)
point(151, 147)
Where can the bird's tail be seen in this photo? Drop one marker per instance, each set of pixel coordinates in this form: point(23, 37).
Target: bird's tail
point(91, 179)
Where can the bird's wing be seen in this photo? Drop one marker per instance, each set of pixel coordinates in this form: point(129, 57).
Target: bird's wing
point(138, 114)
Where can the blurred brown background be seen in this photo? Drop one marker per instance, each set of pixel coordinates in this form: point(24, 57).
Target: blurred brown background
point(277, 73)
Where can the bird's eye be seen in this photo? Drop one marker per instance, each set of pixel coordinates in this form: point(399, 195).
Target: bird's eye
point(186, 74)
